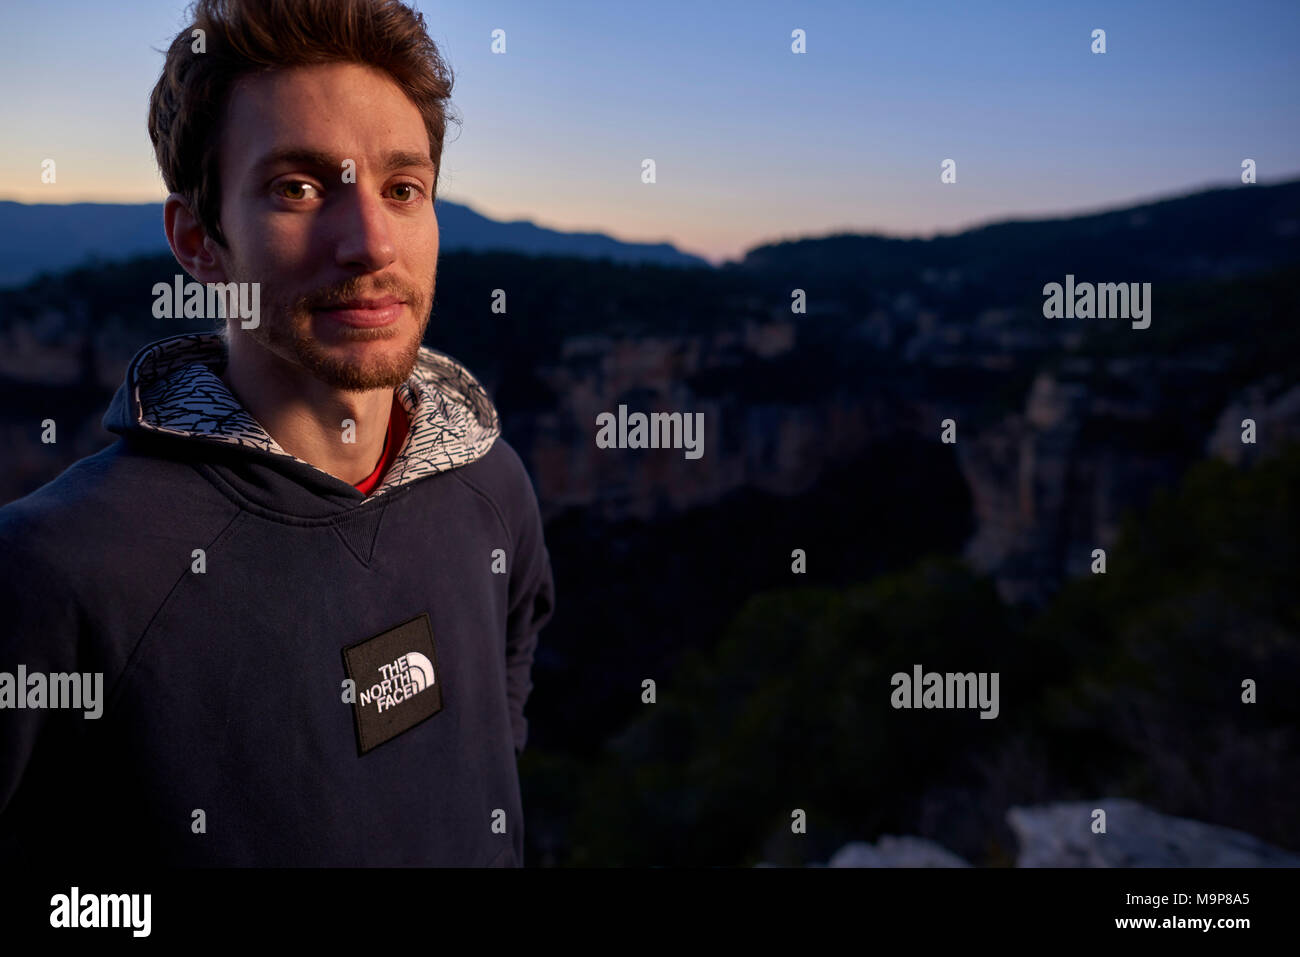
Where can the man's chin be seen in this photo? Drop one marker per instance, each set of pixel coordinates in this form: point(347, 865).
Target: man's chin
point(359, 367)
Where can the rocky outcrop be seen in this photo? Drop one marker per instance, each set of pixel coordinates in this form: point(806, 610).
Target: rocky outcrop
point(1061, 835)
point(1276, 414)
point(892, 851)
point(1051, 484)
point(753, 437)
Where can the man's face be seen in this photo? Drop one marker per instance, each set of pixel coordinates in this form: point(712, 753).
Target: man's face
point(331, 242)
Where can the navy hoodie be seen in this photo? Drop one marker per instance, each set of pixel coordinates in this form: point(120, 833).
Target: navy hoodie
point(294, 673)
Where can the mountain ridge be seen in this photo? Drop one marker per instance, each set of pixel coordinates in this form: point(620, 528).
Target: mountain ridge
point(40, 238)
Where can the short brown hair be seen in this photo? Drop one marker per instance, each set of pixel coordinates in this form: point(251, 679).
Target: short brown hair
point(243, 37)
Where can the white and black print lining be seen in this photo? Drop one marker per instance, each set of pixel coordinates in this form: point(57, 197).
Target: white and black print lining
point(177, 392)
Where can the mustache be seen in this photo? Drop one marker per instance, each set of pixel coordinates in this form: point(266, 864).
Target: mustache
point(358, 287)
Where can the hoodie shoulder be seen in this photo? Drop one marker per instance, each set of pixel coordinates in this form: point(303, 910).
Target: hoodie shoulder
point(501, 476)
point(99, 524)
point(119, 484)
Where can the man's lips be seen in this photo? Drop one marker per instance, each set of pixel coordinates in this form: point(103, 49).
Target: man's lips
point(365, 312)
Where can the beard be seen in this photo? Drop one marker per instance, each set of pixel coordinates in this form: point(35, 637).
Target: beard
point(287, 332)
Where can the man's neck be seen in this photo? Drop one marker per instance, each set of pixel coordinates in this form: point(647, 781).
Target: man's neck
point(306, 417)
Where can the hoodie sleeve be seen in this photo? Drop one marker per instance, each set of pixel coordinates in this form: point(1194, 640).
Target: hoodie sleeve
point(39, 633)
point(532, 603)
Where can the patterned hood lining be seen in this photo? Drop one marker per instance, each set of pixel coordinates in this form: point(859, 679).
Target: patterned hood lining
point(176, 390)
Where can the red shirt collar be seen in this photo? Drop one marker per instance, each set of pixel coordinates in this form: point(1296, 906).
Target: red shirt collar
point(397, 426)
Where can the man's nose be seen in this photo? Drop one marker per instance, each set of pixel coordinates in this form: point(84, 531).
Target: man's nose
point(365, 237)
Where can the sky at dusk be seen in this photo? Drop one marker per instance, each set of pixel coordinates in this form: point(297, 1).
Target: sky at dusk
point(751, 141)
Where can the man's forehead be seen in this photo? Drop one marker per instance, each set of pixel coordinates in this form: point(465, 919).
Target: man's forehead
point(325, 112)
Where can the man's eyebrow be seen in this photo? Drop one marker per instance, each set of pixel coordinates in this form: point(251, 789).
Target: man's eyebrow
point(297, 156)
point(402, 159)
point(320, 160)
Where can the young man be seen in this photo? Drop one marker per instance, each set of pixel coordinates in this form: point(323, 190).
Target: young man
point(310, 571)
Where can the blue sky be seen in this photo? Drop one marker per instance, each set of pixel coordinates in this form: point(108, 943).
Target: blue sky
point(751, 141)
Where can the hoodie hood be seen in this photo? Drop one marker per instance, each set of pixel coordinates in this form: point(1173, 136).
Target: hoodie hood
point(173, 389)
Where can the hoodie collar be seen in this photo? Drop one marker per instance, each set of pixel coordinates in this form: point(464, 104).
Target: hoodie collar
point(173, 388)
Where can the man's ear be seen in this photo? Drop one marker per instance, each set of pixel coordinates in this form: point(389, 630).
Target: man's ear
point(190, 243)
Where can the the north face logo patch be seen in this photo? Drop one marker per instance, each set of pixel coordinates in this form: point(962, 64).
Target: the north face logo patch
point(403, 678)
point(396, 680)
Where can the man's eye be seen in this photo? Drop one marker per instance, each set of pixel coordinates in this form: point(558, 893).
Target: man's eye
point(415, 191)
point(294, 189)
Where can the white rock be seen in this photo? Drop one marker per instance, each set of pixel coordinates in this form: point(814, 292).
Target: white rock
point(1060, 835)
point(892, 851)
